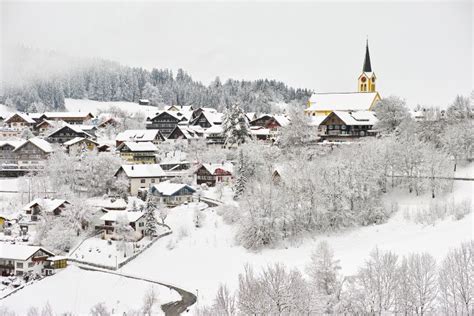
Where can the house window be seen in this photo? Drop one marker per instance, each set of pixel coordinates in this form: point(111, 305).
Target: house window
point(31, 264)
point(19, 265)
point(141, 224)
point(152, 180)
point(142, 181)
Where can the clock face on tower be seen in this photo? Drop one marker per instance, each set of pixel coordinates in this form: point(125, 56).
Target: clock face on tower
point(363, 79)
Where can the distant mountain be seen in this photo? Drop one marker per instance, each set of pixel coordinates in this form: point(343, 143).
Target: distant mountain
point(36, 80)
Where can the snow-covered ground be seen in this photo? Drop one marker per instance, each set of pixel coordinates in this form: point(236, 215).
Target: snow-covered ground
point(74, 105)
point(198, 259)
point(75, 290)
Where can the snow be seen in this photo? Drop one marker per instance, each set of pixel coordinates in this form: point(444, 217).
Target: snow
point(47, 205)
point(167, 188)
point(212, 167)
point(143, 171)
point(141, 146)
point(76, 291)
point(113, 215)
point(17, 252)
point(77, 140)
point(38, 142)
point(94, 107)
point(201, 258)
point(357, 117)
point(5, 111)
point(344, 101)
point(138, 135)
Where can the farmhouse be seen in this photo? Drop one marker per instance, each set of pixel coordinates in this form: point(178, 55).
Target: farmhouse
point(215, 135)
point(208, 119)
point(7, 156)
point(187, 132)
point(67, 133)
point(172, 193)
point(68, 117)
point(21, 259)
point(140, 177)
point(212, 173)
point(342, 125)
point(20, 121)
point(142, 152)
point(32, 153)
point(165, 121)
point(140, 135)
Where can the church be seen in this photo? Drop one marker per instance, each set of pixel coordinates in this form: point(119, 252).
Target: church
point(322, 104)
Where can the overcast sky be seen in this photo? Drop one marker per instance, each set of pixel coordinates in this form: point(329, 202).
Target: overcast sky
point(420, 50)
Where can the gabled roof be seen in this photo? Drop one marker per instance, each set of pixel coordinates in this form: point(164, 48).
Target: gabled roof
point(138, 146)
point(214, 129)
point(78, 140)
point(47, 205)
point(139, 135)
point(76, 129)
point(23, 116)
point(56, 115)
point(142, 171)
point(171, 113)
point(38, 142)
point(343, 101)
point(113, 215)
point(14, 143)
point(212, 167)
point(167, 188)
point(19, 252)
point(187, 131)
point(282, 120)
point(355, 118)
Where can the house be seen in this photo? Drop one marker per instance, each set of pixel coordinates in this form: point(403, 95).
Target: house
point(108, 122)
point(32, 153)
point(179, 108)
point(19, 260)
point(172, 193)
point(140, 177)
point(187, 132)
point(136, 220)
point(9, 132)
point(342, 125)
point(89, 129)
point(38, 207)
point(270, 122)
point(133, 152)
point(261, 121)
point(19, 121)
point(68, 117)
point(215, 135)
point(165, 121)
point(144, 102)
point(140, 135)
point(67, 133)
point(79, 145)
point(54, 263)
point(198, 112)
point(364, 99)
point(260, 133)
point(212, 173)
point(45, 125)
point(8, 157)
point(208, 119)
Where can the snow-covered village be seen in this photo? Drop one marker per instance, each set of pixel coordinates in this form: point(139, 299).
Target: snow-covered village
point(205, 167)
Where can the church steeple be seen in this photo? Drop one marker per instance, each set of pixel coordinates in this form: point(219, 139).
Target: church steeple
point(366, 81)
point(367, 66)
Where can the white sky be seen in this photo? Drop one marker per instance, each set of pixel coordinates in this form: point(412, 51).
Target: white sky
point(420, 50)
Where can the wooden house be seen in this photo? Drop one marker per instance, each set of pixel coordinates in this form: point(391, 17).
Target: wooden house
point(32, 153)
point(19, 121)
point(343, 125)
point(208, 119)
point(68, 117)
point(19, 260)
point(165, 121)
point(42, 207)
point(7, 155)
point(67, 133)
point(172, 193)
point(135, 219)
point(187, 132)
point(137, 153)
point(212, 173)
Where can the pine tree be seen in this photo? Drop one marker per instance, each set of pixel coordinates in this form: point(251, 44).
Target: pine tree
point(241, 180)
point(236, 129)
point(150, 218)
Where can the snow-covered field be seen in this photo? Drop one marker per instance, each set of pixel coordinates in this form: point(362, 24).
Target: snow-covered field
point(74, 105)
point(198, 259)
point(75, 290)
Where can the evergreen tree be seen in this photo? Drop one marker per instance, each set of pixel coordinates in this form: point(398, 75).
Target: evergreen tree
point(241, 180)
point(150, 218)
point(236, 129)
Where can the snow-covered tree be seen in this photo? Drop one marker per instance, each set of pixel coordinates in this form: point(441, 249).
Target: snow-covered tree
point(153, 94)
point(460, 109)
point(390, 113)
point(235, 126)
point(149, 301)
point(241, 179)
point(224, 302)
point(150, 217)
point(298, 132)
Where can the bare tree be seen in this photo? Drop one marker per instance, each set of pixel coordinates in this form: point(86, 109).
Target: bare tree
point(149, 301)
point(224, 303)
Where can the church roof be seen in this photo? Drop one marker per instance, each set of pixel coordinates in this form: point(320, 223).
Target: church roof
point(342, 101)
point(367, 65)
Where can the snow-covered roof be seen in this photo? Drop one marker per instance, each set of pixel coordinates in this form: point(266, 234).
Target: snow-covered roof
point(139, 146)
point(19, 252)
point(214, 129)
point(344, 101)
point(189, 132)
point(108, 203)
point(75, 128)
point(213, 117)
point(143, 171)
point(113, 215)
point(47, 205)
point(67, 114)
point(77, 140)
point(38, 142)
point(212, 167)
point(258, 130)
point(24, 116)
point(167, 188)
point(357, 118)
point(138, 135)
point(86, 127)
point(14, 143)
point(282, 120)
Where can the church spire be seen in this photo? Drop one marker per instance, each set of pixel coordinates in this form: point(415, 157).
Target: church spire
point(367, 66)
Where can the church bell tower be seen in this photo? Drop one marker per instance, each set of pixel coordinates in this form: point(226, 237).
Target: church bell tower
point(367, 80)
